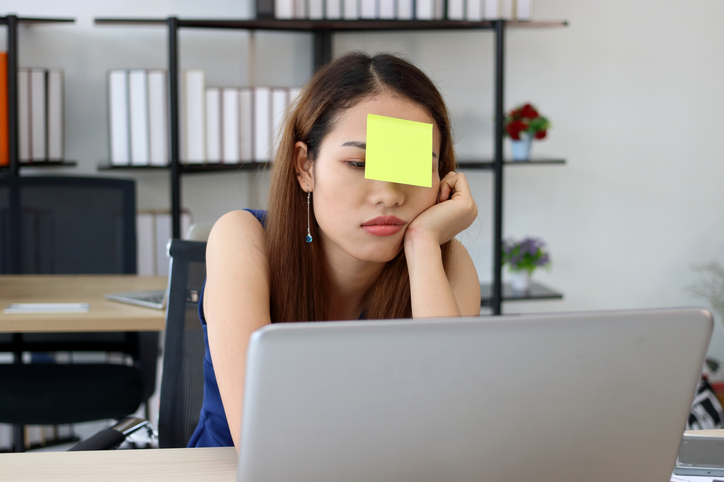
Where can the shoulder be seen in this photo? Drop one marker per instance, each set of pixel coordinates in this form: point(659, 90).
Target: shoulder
point(463, 279)
point(235, 230)
point(236, 222)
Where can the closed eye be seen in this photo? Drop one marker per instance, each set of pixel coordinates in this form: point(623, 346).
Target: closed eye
point(355, 164)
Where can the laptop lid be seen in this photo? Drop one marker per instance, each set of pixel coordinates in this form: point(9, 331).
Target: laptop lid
point(148, 298)
point(557, 397)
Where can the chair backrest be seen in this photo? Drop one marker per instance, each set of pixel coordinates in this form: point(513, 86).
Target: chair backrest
point(73, 225)
point(199, 231)
point(182, 379)
point(67, 225)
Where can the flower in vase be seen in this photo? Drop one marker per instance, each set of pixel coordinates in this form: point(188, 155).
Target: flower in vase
point(527, 254)
point(526, 119)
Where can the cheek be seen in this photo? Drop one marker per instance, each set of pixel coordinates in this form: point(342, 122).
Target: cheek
point(333, 201)
point(426, 198)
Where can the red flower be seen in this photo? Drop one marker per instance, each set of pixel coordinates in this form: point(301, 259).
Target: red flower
point(514, 128)
point(528, 111)
point(540, 134)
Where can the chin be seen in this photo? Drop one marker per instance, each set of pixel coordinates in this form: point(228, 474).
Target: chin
point(375, 254)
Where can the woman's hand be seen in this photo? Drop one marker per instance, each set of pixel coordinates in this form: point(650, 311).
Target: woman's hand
point(455, 211)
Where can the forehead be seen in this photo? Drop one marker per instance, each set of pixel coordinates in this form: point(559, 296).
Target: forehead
point(353, 121)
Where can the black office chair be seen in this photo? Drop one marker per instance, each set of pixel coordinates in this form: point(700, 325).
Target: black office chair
point(182, 379)
point(71, 225)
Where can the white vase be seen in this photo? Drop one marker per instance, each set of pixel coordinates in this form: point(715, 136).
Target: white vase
point(520, 280)
point(521, 149)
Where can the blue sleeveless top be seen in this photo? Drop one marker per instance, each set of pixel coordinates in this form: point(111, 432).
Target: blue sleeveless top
point(213, 429)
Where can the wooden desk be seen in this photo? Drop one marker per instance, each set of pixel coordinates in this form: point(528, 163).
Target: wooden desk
point(155, 465)
point(103, 315)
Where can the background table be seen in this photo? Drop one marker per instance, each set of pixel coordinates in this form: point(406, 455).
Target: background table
point(156, 465)
point(103, 315)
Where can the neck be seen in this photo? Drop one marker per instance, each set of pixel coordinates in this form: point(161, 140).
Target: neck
point(349, 281)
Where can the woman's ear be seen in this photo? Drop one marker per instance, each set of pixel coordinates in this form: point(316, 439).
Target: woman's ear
point(303, 166)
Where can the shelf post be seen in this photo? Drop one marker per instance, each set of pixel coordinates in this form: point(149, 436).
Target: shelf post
point(173, 128)
point(12, 83)
point(322, 48)
point(498, 167)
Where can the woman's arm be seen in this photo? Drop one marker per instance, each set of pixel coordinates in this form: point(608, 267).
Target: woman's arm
point(236, 303)
point(435, 292)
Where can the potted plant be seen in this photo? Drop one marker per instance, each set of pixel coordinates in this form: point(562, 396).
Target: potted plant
point(522, 125)
point(710, 287)
point(523, 258)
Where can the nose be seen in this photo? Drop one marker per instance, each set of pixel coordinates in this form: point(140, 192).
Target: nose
point(387, 193)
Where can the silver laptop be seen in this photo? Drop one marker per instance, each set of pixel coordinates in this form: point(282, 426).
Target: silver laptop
point(589, 397)
point(148, 298)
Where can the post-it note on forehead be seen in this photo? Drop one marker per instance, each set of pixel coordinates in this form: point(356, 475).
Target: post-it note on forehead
point(398, 151)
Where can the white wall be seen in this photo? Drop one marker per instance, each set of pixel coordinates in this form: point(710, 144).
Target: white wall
point(633, 90)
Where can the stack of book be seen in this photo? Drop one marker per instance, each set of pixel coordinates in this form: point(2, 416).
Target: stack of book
point(153, 232)
point(138, 117)
point(227, 125)
point(243, 124)
point(472, 10)
point(40, 115)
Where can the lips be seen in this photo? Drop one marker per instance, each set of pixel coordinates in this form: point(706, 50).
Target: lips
point(383, 225)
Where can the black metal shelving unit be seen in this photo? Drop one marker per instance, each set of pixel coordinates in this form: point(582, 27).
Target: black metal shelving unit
point(11, 23)
point(195, 168)
point(537, 292)
point(323, 30)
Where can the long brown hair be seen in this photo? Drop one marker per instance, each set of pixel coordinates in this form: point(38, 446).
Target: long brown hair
point(298, 275)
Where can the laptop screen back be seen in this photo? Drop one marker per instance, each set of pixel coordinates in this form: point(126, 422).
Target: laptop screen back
point(583, 396)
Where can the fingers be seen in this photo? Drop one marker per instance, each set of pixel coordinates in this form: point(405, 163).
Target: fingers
point(460, 185)
point(453, 183)
point(446, 186)
point(455, 186)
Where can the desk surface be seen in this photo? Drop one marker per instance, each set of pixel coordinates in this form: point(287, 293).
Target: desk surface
point(153, 465)
point(156, 465)
point(103, 315)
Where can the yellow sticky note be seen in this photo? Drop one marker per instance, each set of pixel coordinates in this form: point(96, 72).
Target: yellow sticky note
point(398, 151)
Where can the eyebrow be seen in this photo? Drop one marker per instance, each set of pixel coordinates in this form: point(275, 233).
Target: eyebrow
point(363, 145)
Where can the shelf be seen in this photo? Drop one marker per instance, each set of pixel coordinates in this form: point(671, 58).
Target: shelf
point(193, 168)
point(337, 25)
point(536, 292)
point(42, 163)
point(250, 166)
point(33, 20)
point(488, 163)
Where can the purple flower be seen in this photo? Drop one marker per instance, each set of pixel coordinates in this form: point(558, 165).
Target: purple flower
point(526, 254)
point(544, 260)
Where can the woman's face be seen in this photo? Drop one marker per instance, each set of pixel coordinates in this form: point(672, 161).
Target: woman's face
point(358, 217)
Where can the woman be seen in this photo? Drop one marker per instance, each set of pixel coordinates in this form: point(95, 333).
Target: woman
point(334, 245)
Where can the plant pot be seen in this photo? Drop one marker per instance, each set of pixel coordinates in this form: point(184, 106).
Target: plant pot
point(520, 280)
point(521, 149)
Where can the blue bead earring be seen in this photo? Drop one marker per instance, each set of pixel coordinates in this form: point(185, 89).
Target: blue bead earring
point(308, 239)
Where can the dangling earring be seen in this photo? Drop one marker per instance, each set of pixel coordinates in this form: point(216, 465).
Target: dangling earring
point(308, 239)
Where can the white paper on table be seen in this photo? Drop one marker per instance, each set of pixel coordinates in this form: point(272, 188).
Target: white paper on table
point(47, 308)
point(694, 478)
